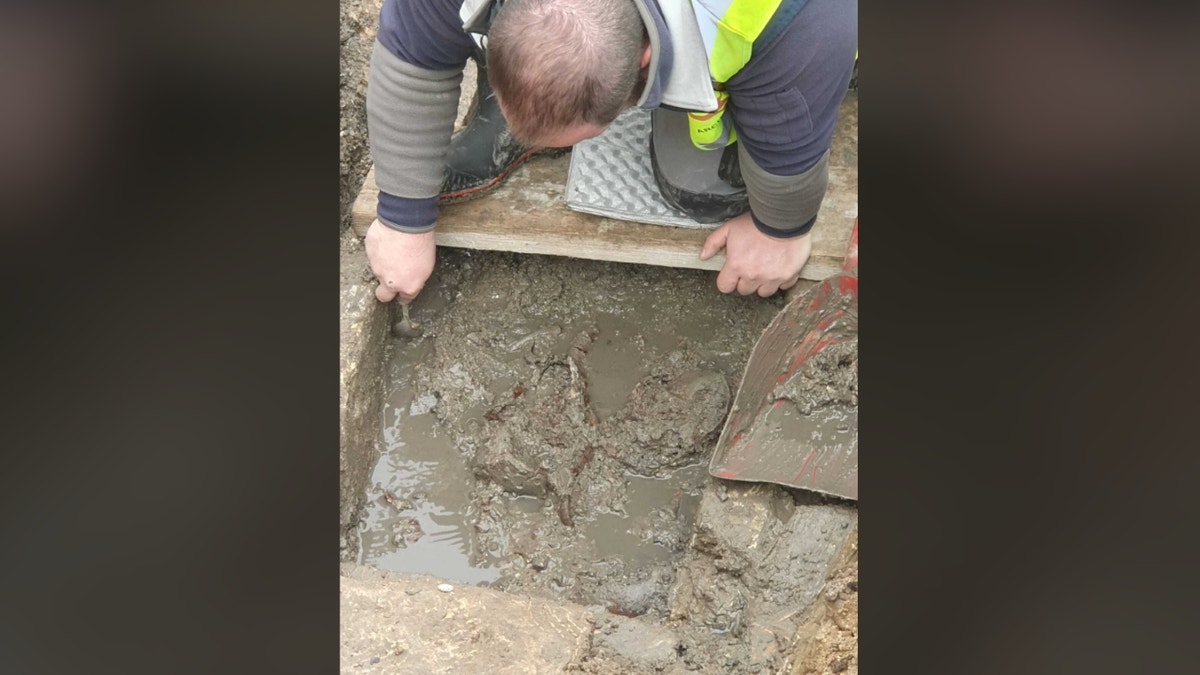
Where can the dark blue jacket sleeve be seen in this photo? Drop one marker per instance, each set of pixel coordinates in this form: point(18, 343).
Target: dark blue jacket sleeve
point(784, 103)
point(425, 33)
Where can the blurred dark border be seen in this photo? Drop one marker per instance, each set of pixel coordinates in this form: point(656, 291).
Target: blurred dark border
point(169, 259)
point(1029, 210)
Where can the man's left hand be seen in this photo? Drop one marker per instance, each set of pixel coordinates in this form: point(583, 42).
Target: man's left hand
point(755, 262)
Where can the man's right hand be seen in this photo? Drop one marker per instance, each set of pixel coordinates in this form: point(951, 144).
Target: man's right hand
point(401, 262)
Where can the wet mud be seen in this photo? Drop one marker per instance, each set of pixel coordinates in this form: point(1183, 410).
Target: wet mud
point(553, 423)
point(549, 434)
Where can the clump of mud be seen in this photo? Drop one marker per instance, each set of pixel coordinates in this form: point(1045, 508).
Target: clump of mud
point(829, 377)
point(670, 423)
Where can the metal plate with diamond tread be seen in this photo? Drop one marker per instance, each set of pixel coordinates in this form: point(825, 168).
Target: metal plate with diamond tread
point(611, 175)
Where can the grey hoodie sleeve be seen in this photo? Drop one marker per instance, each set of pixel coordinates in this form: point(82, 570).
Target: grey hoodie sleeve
point(410, 117)
point(412, 102)
point(784, 206)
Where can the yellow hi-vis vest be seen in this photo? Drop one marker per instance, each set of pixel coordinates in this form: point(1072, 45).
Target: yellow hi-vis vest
point(730, 28)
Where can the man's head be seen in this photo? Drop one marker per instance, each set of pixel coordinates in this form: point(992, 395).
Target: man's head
point(564, 69)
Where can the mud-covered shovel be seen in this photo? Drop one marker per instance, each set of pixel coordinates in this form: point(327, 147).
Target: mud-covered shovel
point(794, 420)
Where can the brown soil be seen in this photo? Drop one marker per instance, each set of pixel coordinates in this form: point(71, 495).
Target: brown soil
point(827, 641)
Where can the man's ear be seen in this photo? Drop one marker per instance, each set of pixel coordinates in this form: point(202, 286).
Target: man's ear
point(646, 56)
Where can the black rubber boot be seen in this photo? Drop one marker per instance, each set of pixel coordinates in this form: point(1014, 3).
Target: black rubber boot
point(707, 185)
point(483, 153)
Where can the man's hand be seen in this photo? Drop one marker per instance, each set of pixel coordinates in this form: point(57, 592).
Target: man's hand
point(401, 262)
point(755, 262)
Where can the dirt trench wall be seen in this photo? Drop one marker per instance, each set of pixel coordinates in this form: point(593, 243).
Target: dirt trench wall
point(364, 321)
point(359, 23)
point(363, 337)
point(827, 638)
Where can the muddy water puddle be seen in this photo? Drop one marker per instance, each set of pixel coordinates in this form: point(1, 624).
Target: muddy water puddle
point(636, 536)
point(550, 433)
point(421, 516)
point(417, 511)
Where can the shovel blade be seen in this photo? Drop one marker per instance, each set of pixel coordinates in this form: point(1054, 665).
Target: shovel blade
point(783, 427)
point(817, 451)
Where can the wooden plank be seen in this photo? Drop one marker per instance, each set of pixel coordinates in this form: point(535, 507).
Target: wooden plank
point(528, 214)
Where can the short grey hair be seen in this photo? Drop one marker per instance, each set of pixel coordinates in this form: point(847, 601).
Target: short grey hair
point(558, 63)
